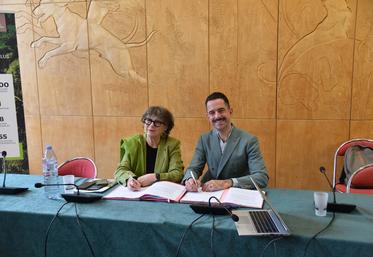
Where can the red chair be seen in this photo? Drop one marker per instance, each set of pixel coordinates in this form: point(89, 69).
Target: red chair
point(79, 167)
point(361, 181)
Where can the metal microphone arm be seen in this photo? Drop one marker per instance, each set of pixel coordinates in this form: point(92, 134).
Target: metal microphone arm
point(39, 185)
point(77, 198)
point(3, 154)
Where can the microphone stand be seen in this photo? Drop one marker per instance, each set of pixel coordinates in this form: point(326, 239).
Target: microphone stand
point(9, 190)
point(334, 206)
point(76, 198)
point(214, 210)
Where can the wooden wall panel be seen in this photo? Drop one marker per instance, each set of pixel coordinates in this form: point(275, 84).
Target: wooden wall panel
point(178, 55)
point(362, 100)
point(71, 136)
point(4, 2)
point(288, 67)
point(302, 147)
point(257, 44)
point(34, 143)
point(188, 131)
point(62, 57)
point(362, 129)
point(315, 59)
point(108, 133)
point(265, 130)
point(223, 29)
point(118, 57)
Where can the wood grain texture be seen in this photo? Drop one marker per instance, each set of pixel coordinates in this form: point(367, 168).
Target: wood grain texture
point(108, 133)
point(223, 33)
point(178, 55)
point(188, 131)
point(362, 94)
point(362, 129)
point(70, 136)
point(257, 44)
point(117, 43)
point(34, 143)
point(302, 147)
point(295, 72)
point(315, 59)
point(62, 59)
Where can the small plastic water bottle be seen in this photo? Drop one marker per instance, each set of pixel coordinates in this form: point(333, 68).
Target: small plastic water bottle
point(50, 173)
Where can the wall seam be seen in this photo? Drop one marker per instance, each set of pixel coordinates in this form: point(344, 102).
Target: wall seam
point(276, 90)
point(353, 69)
point(91, 86)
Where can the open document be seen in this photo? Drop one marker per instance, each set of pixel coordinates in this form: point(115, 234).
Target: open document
point(171, 192)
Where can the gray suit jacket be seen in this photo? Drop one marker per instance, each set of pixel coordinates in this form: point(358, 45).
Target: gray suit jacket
point(241, 159)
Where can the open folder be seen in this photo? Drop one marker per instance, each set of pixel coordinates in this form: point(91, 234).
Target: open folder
point(165, 191)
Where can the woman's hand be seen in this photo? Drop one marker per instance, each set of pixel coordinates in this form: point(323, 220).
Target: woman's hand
point(133, 184)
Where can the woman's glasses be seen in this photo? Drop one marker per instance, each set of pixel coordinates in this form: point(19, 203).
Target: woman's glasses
point(156, 123)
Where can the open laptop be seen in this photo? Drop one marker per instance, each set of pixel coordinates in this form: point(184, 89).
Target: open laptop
point(260, 222)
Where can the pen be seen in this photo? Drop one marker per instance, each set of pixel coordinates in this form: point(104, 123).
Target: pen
point(121, 183)
point(194, 179)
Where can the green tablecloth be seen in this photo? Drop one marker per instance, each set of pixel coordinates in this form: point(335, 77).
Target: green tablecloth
point(131, 228)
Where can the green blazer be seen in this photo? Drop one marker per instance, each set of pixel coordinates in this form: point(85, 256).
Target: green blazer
point(133, 159)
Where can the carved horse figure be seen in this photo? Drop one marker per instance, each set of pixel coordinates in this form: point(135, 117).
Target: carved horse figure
point(72, 36)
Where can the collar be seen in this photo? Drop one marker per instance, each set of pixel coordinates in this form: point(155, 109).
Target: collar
point(218, 135)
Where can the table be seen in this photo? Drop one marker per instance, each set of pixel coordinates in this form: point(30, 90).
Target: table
point(132, 228)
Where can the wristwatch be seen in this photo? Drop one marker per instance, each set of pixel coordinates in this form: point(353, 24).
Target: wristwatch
point(157, 176)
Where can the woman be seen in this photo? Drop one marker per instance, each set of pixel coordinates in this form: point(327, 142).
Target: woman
point(154, 156)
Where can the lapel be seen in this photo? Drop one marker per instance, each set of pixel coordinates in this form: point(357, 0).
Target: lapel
point(142, 161)
point(162, 149)
point(228, 150)
point(216, 155)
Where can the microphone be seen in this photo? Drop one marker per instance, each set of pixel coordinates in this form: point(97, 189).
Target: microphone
point(215, 210)
point(9, 190)
point(322, 170)
point(76, 198)
point(334, 206)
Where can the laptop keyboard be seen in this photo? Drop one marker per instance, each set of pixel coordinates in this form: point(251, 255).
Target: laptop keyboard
point(263, 222)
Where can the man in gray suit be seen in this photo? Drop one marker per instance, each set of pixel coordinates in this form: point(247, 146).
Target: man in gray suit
point(232, 155)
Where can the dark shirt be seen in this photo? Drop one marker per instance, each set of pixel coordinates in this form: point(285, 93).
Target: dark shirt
point(151, 156)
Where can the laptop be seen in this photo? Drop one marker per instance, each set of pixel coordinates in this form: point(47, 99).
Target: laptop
point(260, 222)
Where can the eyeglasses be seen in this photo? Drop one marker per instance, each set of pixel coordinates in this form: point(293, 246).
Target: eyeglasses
point(156, 123)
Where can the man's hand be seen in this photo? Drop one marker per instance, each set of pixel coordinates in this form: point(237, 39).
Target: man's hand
point(192, 185)
point(215, 185)
point(147, 179)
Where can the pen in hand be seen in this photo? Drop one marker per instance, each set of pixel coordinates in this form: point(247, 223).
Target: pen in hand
point(194, 180)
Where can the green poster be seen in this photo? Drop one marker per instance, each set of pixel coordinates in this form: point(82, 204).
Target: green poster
point(12, 120)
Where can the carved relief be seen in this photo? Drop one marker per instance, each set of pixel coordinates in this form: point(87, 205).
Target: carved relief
point(310, 65)
point(72, 30)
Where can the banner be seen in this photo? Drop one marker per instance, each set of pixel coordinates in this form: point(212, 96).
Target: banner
point(12, 120)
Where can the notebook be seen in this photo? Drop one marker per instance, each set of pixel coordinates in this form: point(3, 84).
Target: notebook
point(260, 222)
point(166, 191)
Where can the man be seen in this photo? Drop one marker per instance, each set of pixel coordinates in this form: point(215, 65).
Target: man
point(232, 155)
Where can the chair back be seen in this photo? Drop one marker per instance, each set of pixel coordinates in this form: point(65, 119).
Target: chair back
point(362, 178)
point(79, 167)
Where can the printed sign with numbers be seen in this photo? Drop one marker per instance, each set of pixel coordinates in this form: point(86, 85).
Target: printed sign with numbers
point(9, 141)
